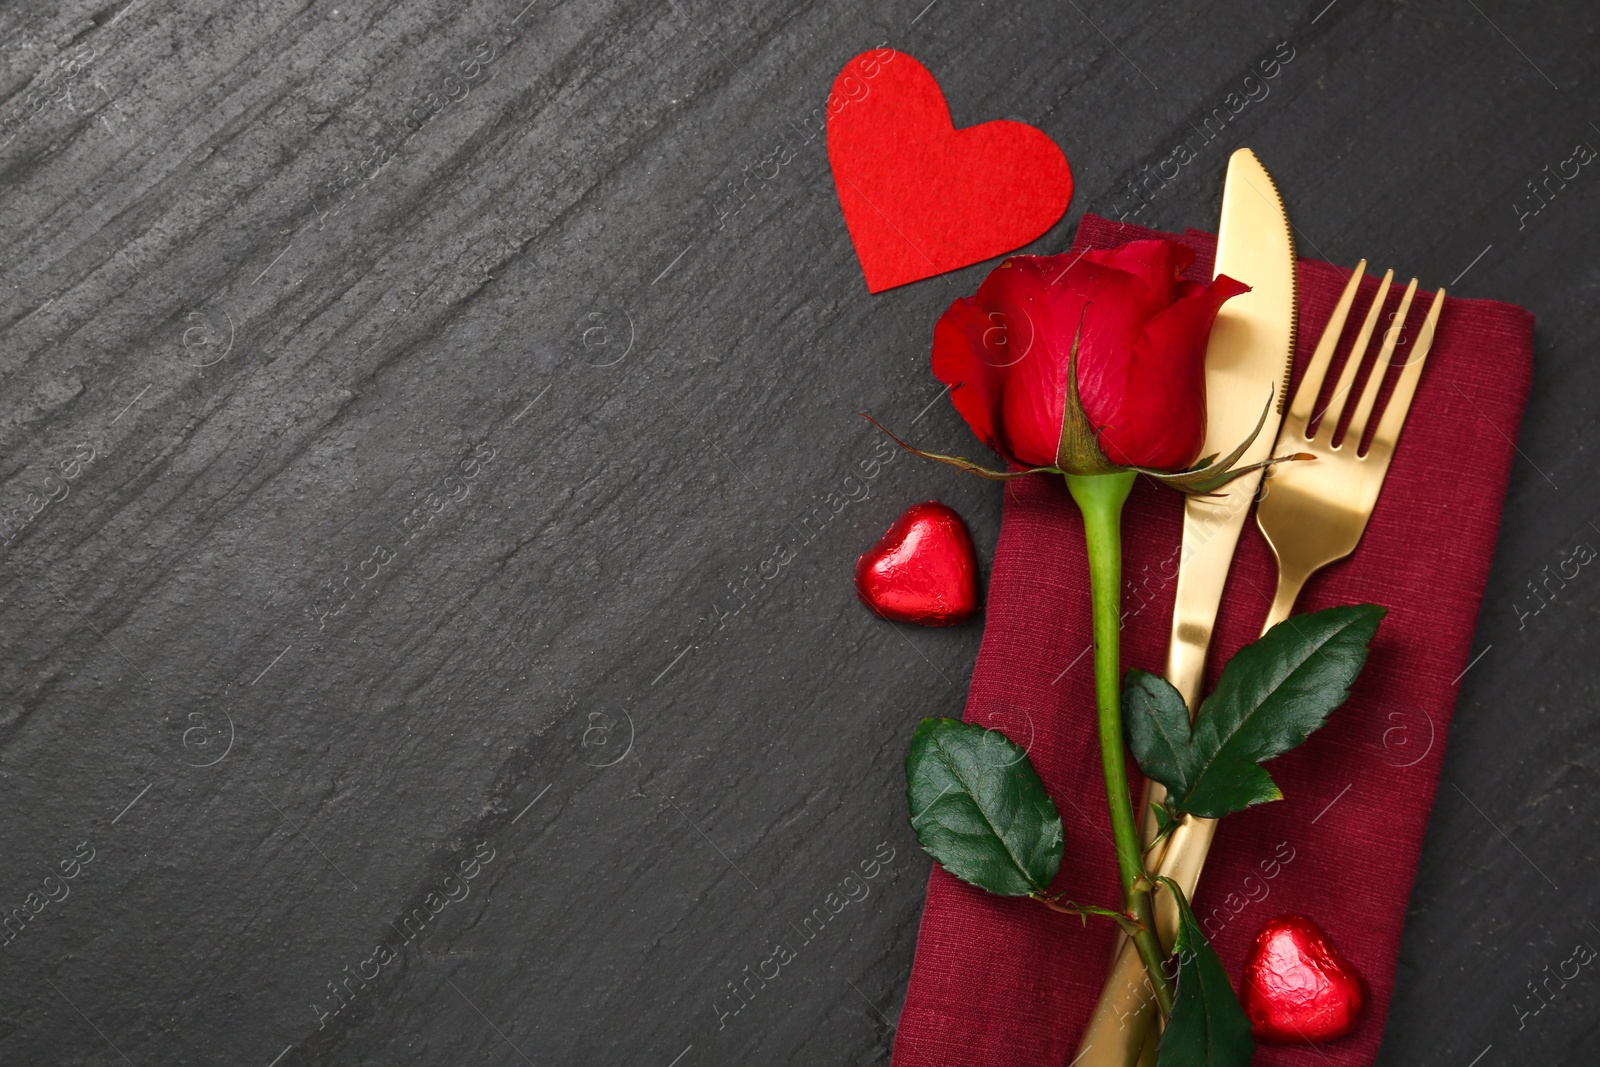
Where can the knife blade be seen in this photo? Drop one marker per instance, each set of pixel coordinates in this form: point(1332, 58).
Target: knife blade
point(1248, 360)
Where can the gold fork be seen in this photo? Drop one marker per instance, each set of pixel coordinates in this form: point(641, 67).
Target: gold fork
point(1311, 513)
point(1314, 513)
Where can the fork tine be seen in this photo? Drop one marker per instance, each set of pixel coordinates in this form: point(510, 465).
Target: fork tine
point(1358, 353)
point(1380, 370)
point(1405, 387)
point(1311, 383)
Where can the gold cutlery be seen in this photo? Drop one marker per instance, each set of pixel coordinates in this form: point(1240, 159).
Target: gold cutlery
point(1248, 359)
point(1314, 513)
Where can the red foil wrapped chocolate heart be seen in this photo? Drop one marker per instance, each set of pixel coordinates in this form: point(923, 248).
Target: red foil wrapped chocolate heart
point(1297, 988)
point(923, 570)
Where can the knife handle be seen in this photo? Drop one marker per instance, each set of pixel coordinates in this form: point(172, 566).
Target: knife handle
point(1121, 1018)
point(1120, 1024)
point(1193, 617)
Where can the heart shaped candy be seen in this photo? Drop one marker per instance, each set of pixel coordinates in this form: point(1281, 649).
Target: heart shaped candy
point(923, 570)
point(1297, 988)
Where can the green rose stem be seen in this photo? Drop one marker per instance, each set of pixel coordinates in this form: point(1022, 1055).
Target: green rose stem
point(1100, 498)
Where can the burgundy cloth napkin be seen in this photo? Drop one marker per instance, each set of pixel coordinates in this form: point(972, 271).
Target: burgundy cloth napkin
point(1000, 982)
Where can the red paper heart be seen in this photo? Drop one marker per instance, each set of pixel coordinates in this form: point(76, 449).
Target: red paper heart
point(923, 570)
point(1297, 988)
point(921, 197)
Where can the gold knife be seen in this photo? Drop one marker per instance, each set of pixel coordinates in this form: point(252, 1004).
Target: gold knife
point(1248, 360)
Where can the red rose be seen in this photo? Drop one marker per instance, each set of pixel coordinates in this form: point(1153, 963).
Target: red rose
point(1141, 358)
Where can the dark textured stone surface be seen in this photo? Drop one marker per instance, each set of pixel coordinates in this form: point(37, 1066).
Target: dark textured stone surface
point(287, 384)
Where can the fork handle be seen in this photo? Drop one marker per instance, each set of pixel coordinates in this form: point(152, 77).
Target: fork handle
point(1289, 585)
point(1120, 1023)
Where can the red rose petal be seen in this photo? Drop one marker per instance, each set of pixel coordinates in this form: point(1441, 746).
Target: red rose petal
point(1142, 336)
point(961, 343)
point(1156, 263)
point(1159, 425)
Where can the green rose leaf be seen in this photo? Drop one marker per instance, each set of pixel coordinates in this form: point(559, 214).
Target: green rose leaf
point(1157, 723)
point(1272, 695)
point(979, 808)
point(1208, 1028)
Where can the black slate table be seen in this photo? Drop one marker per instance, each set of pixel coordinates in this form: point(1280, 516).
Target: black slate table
point(431, 488)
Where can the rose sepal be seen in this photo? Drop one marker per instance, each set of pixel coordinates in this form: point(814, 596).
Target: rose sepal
point(1079, 450)
point(960, 463)
point(1210, 473)
point(1204, 479)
